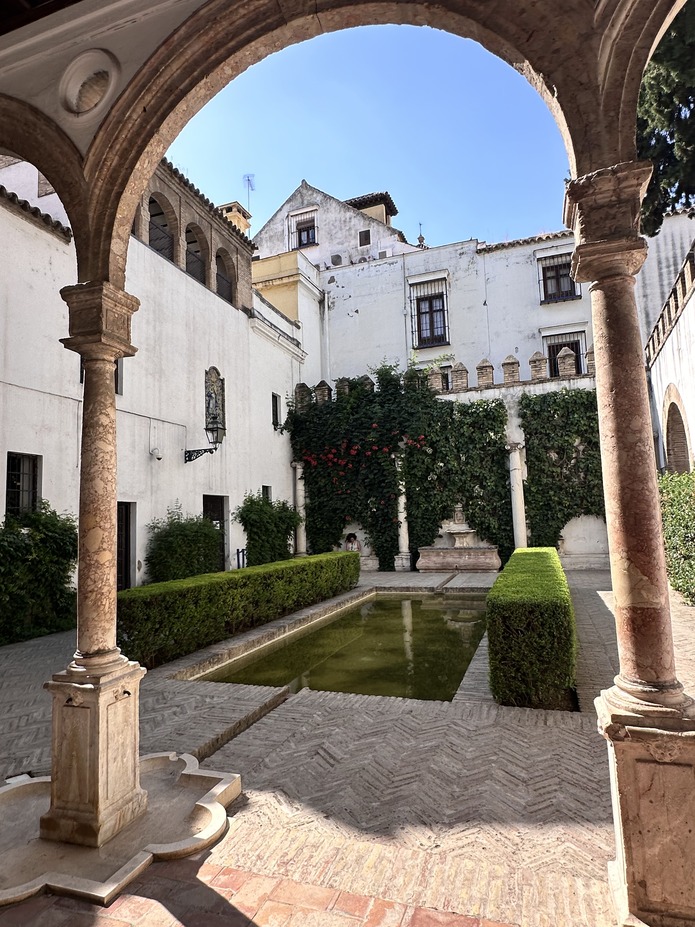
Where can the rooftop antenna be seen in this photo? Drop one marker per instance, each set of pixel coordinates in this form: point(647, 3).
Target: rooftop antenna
point(250, 185)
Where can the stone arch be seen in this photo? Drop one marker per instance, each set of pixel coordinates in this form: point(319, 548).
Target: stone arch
point(38, 140)
point(197, 252)
point(216, 43)
point(225, 275)
point(676, 435)
point(163, 226)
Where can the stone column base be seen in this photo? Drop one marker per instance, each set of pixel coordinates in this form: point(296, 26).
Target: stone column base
point(652, 766)
point(95, 783)
point(402, 563)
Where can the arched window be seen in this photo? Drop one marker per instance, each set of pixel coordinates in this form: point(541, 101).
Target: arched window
point(677, 457)
point(195, 260)
point(161, 236)
point(225, 278)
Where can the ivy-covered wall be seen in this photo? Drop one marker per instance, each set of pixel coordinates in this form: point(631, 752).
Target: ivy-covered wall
point(449, 453)
point(563, 461)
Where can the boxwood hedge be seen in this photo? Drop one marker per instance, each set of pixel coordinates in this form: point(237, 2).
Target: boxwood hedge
point(678, 512)
point(163, 621)
point(531, 632)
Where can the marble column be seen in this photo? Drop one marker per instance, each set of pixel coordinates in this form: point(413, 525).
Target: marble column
point(402, 561)
point(95, 786)
point(300, 506)
point(646, 718)
point(516, 485)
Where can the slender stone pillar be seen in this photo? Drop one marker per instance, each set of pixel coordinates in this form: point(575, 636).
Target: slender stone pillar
point(300, 506)
point(402, 561)
point(516, 483)
point(646, 718)
point(95, 787)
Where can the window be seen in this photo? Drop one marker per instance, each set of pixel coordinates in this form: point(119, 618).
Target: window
point(303, 228)
point(22, 484)
point(555, 281)
point(428, 313)
point(214, 511)
point(553, 344)
point(160, 237)
point(267, 493)
point(124, 547)
point(277, 410)
point(365, 238)
point(195, 263)
point(225, 286)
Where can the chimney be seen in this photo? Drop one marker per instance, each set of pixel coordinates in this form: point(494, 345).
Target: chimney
point(237, 215)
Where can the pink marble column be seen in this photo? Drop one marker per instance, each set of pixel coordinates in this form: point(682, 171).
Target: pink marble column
point(646, 717)
point(95, 787)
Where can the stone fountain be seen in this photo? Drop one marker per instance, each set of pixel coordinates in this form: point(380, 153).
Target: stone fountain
point(458, 549)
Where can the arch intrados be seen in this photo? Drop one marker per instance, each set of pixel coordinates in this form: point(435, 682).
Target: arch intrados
point(674, 401)
point(38, 140)
point(209, 51)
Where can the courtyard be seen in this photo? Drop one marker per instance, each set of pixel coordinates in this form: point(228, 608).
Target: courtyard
point(359, 811)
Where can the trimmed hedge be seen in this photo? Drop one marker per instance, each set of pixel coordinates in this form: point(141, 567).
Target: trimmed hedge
point(678, 512)
point(162, 621)
point(531, 632)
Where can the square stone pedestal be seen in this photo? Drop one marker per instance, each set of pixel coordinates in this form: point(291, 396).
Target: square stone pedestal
point(652, 764)
point(95, 782)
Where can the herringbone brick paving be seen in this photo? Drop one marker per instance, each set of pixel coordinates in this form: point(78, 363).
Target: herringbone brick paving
point(369, 812)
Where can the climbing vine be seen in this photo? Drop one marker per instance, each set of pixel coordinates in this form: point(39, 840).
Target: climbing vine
point(563, 461)
point(360, 447)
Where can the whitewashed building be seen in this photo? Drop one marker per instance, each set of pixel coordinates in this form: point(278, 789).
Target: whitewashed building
point(191, 270)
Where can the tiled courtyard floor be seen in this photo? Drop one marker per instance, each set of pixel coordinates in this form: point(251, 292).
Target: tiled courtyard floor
point(366, 812)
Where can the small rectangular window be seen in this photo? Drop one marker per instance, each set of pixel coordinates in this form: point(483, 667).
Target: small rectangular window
point(365, 238)
point(22, 484)
point(575, 341)
point(303, 229)
point(276, 410)
point(267, 493)
point(555, 281)
point(429, 313)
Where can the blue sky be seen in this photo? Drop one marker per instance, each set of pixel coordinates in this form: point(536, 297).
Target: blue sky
point(462, 142)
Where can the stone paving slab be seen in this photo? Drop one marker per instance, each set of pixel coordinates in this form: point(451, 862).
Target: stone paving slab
point(368, 812)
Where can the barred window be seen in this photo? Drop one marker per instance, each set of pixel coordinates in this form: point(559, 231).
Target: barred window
point(22, 484)
point(555, 282)
point(303, 229)
point(575, 341)
point(429, 313)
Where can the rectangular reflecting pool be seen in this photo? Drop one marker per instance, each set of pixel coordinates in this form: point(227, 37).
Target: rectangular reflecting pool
point(414, 647)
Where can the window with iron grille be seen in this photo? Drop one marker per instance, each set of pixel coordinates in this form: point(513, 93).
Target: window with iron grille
point(365, 237)
point(22, 483)
point(556, 284)
point(575, 341)
point(303, 229)
point(428, 313)
point(277, 410)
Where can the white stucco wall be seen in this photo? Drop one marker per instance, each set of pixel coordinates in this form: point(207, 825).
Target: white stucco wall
point(674, 366)
point(664, 258)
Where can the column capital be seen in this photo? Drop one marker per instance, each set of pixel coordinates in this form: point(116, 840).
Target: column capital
point(605, 204)
point(99, 321)
point(598, 260)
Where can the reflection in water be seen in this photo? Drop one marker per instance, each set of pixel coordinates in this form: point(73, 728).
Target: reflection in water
point(414, 648)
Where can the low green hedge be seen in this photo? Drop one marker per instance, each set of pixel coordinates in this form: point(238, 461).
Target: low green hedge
point(678, 512)
point(163, 621)
point(531, 632)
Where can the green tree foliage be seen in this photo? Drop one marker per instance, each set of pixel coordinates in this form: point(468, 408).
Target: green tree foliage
point(665, 127)
point(447, 453)
point(678, 513)
point(563, 461)
point(182, 545)
point(37, 558)
point(269, 526)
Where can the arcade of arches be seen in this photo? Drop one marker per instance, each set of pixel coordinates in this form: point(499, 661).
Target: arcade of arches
point(97, 115)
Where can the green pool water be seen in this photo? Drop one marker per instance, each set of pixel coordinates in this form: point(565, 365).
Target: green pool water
point(409, 647)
